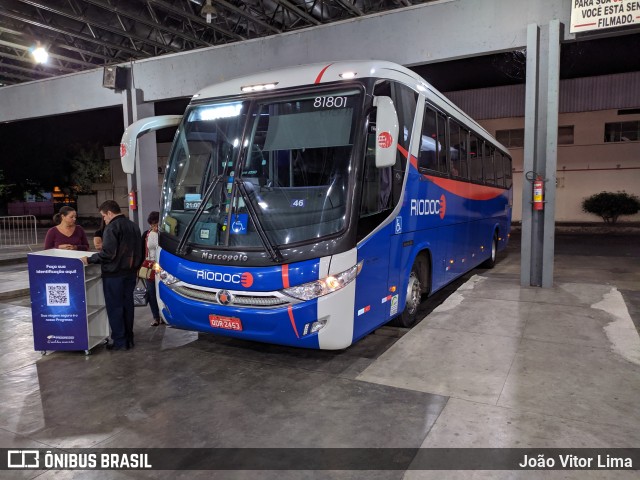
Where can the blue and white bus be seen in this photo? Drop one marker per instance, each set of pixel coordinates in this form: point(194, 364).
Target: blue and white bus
point(309, 206)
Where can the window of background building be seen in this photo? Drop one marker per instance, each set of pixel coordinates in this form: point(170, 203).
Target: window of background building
point(622, 131)
point(565, 135)
point(511, 138)
point(515, 138)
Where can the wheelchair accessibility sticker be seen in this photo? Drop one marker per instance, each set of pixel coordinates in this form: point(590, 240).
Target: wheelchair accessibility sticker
point(398, 224)
point(239, 223)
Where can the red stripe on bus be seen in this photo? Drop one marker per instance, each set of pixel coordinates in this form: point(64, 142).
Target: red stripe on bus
point(293, 322)
point(319, 77)
point(470, 191)
point(285, 276)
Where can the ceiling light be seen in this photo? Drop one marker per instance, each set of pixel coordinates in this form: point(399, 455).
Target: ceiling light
point(40, 55)
point(209, 11)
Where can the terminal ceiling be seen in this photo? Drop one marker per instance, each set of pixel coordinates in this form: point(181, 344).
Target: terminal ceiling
point(87, 34)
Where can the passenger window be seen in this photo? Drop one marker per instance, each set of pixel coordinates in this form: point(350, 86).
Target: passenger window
point(458, 140)
point(475, 159)
point(433, 153)
point(499, 164)
point(508, 173)
point(442, 143)
point(377, 184)
point(487, 164)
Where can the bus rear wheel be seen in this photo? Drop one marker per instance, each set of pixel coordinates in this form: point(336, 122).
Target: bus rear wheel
point(491, 261)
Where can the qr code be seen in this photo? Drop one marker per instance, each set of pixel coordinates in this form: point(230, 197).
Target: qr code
point(58, 294)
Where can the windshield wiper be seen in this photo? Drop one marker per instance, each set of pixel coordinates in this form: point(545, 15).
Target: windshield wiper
point(272, 249)
point(181, 250)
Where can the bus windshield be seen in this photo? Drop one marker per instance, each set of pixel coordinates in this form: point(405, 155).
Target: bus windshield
point(262, 173)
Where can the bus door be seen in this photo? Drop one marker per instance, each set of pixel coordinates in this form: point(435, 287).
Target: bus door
point(377, 301)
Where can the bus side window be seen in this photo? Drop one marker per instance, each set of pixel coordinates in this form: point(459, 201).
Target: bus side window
point(475, 159)
point(464, 152)
point(376, 183)
point(458, 140)
point(442, 143)
point(508, 173)
point(487, 163)
point(433, 144)
point(499, 164)
point(427, 158)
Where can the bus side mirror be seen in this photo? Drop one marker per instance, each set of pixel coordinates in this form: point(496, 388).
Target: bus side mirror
point(135, 130)
point(386, 132)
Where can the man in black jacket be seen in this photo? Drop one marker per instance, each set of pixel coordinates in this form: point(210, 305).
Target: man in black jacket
point(119, 259)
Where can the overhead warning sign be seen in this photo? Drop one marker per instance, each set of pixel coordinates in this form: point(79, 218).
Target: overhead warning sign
point(601, 14)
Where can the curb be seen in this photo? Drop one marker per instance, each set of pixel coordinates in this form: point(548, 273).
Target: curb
point(590, 229)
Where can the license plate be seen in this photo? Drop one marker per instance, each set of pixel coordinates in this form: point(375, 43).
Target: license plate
point(228, 323)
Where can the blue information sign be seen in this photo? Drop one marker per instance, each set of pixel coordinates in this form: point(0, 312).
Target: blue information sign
point(58, 303)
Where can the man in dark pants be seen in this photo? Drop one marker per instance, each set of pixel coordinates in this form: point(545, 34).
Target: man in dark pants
point(120, 259)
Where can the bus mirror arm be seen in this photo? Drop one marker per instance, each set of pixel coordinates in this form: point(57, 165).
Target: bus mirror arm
point(387, 128)
point(137, 129)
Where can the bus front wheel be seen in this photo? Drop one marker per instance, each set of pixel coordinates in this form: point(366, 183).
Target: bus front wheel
point(414, 296)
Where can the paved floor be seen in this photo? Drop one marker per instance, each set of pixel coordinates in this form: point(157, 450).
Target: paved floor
point(493, 364)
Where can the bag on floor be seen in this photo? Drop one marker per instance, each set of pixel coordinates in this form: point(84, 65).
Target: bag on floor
point(140, 294)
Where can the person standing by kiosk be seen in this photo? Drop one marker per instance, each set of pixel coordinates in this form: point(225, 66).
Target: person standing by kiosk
point(66, 234)
point(120, 258)
point(150, 248)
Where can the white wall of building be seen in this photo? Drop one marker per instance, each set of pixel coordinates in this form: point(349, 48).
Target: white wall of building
point(587, 166)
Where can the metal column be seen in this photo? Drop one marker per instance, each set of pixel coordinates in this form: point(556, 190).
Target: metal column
point(551, 151)
point(540, 152)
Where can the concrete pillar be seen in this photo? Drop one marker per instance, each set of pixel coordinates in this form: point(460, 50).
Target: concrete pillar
point(540, 152)
point(145, 179)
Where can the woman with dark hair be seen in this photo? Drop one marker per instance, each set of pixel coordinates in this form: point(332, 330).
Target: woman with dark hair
point(66, 234)
point(150, 245)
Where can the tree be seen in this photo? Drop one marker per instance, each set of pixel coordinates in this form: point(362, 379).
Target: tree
point(5, 190)
point(611, 205)
point(88, 166)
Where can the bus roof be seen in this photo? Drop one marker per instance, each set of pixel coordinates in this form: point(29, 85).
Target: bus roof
point(319, 73)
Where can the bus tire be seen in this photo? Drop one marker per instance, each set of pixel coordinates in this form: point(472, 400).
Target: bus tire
point(491, 261)
point(415, 288)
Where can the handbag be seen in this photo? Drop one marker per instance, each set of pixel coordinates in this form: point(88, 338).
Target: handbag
point(140, 294)
point(146, 271)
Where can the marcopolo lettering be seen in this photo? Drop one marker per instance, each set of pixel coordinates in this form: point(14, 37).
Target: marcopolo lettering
point(231, 257)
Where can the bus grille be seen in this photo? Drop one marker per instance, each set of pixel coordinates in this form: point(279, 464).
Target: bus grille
point(239, 300)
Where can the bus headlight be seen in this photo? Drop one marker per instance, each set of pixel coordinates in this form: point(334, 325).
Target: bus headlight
point(324, 286)
point(164, 276)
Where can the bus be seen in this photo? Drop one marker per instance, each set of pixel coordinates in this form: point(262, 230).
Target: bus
point(309, 206)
